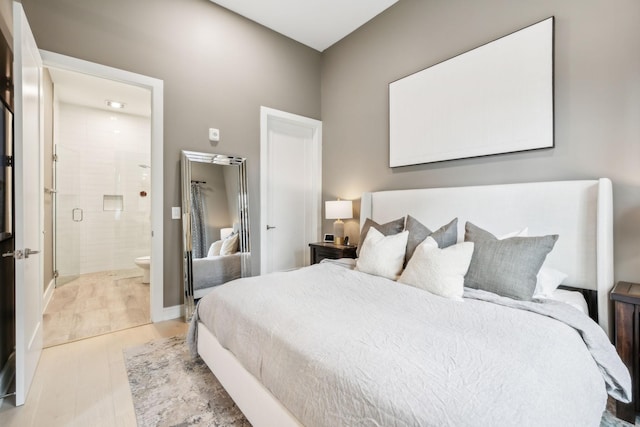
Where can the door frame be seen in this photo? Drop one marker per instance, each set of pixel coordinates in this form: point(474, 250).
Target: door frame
point(267, 117)
point(156, 86)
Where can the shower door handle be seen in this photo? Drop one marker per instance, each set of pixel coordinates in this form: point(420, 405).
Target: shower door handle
point(77, 214)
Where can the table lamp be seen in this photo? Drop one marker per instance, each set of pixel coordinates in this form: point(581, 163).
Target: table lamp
point(338, 210)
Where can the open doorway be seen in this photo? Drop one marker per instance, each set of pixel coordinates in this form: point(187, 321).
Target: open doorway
point(128, 166)
point(99, 205)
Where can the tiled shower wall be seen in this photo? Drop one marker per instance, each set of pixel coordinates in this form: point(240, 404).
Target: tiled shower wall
point(99, 154)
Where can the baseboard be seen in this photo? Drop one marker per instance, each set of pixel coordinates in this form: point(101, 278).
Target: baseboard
point(48, 293)
point(174, 312)
point(7, 374)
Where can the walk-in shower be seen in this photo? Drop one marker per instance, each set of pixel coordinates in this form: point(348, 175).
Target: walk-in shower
point(102, 208)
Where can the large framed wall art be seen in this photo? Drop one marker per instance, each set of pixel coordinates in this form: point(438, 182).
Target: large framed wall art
point(497, 98)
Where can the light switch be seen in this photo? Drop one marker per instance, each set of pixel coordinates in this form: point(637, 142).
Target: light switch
point(175, 212)
point(214, 135)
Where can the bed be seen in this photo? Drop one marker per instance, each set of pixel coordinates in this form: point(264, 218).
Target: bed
point(328, 345)
point(213, 271)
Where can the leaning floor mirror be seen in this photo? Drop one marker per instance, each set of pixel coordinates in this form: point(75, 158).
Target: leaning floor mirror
point(215, 223)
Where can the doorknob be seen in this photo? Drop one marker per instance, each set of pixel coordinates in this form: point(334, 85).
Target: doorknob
point(28, 252)
point(270, 227)
point(16, 254)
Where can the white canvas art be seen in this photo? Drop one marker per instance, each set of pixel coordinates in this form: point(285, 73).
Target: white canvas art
point(497, 98)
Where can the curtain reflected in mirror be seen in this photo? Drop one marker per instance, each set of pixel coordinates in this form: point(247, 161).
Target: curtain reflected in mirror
point(215, 223)
point(198, 236)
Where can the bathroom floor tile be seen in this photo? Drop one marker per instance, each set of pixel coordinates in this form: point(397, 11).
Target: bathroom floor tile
point(95, 304)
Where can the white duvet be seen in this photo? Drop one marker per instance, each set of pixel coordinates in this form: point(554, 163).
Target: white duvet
point(343, 348)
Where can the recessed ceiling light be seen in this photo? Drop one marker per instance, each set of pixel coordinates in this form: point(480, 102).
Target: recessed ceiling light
point(115, 104)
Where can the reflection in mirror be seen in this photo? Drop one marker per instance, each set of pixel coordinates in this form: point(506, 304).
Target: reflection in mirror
point(215, 223)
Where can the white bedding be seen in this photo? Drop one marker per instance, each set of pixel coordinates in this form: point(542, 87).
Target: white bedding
point(215, 270)
point(340, 347)
point(573, 298)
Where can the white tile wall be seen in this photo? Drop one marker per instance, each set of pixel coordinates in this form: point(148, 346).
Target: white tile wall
point(99, 153)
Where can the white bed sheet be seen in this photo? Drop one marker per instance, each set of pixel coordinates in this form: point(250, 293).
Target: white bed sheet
point(573, 298)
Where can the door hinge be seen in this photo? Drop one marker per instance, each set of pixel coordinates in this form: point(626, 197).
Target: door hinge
point(55, 274)
point(8, 162)
point(55, 157)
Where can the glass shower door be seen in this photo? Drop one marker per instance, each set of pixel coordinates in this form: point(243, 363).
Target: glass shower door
point(69, 214)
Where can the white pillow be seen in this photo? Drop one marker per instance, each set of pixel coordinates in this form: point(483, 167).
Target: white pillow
point(382, 255)
point(439, 271)
point(214, 249)
point(229, 245)
point(548, 279)
point(521, 233)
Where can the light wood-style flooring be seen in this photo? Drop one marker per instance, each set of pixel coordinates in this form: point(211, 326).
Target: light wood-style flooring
point(94, 304)
point(84, 383)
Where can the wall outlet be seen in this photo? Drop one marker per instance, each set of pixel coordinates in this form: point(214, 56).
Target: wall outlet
point(175, 212)
point(214, 135)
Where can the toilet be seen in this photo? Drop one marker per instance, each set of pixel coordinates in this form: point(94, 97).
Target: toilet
point(144, 262)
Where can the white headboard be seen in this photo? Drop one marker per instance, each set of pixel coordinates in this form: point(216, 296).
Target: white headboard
point(580, 212)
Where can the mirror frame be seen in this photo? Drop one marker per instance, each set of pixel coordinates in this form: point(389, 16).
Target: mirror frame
point(186, 159)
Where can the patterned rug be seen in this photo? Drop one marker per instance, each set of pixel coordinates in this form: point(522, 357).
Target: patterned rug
point(170, 388)
point(609, 420)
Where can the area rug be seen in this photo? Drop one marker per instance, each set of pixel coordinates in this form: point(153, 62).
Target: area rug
point(609, 420)
point(170, 388)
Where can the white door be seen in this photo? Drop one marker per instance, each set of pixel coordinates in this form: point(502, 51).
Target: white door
point(291, 189)
point(29, 195)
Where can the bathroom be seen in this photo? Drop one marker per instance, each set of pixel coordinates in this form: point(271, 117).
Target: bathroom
point(101, 204)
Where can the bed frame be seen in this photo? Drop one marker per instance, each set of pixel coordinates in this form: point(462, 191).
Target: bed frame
point(580, 212)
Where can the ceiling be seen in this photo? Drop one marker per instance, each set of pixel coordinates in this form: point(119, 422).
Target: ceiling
point(89, 91)
point(315, 23)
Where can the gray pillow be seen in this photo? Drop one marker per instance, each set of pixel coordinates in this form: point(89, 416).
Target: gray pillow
point(444, 236)
point(506, 267)
point(388, 229)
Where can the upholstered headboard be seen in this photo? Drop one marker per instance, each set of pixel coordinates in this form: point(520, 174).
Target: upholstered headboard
point(580, 212)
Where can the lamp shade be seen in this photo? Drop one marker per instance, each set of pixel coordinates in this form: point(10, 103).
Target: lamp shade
point(338, 209)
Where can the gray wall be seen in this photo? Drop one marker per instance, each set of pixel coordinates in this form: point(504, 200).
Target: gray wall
point(597, 101)
point(218, 69)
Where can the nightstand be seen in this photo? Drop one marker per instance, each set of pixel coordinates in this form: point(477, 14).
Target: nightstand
point(626, 297)
point(322, 250)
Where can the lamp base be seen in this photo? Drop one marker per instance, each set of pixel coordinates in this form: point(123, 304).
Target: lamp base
point(338, 231)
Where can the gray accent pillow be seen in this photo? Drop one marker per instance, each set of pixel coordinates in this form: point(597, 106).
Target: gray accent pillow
point(388, 229)
point(445, 236)
point(506, 267)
